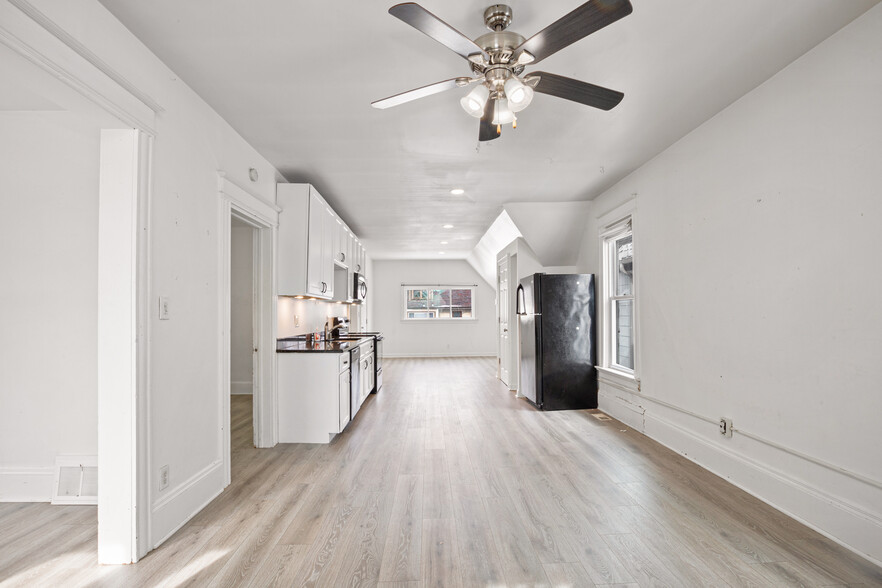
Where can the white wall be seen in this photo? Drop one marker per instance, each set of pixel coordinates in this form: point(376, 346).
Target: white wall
point(756, 253)
point(241, 309)
point(431, 338)
point(48, 288)
point(193, 143)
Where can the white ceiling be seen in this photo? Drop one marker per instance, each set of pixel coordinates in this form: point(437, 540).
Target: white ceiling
point(296, 79)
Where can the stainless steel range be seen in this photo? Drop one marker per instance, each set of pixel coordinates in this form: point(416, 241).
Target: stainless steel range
point(339, 329)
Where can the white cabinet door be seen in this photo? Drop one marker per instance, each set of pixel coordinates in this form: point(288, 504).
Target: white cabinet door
point(343, 393)
point(349, 249)
point(357, 257)
point(329, 240)
point(339, 255)
point(315, 274)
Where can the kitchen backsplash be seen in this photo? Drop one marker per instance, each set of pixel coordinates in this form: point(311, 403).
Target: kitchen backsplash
point(311, 315)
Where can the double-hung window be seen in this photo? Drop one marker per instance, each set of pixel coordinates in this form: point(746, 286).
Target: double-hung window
point(438, 302)
point(619, 308)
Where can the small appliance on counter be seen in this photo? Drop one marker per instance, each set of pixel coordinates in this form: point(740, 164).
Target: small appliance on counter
point(557, 341)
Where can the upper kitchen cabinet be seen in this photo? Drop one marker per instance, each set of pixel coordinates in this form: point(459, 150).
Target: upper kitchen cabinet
point(343, 252)
point(307, 242)
point(359, 255)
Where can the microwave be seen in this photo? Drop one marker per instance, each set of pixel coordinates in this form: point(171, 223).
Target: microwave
point(359, 287)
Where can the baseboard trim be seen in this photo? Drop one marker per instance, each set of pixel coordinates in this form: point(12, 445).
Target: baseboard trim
point(26, 484)
point(241, 388)
point(834, 516)
point(181, 504)
point(425, 355)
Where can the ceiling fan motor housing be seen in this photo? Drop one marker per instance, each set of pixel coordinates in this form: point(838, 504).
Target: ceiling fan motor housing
point(497, 17)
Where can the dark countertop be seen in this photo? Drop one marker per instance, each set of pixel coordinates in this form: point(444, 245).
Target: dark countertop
point(300, 345)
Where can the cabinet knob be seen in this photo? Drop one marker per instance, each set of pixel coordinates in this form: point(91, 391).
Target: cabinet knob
point(342, 257)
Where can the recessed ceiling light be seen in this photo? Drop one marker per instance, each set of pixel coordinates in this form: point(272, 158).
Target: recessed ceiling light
point(457, 191)
point(448, 226)
point(444, 242)
point(440, 253)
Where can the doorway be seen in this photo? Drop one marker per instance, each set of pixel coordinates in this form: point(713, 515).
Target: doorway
point(247, 232)
point(243, 341)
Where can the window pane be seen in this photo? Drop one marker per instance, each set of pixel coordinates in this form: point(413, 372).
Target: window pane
point(624, 333)
point(416, 299)
point(461, 303)
point(624, 270)
point(439, 300)
point(421, 314)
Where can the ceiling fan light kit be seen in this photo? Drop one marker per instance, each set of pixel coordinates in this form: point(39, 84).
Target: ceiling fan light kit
point(498, 59)
point(474, 101)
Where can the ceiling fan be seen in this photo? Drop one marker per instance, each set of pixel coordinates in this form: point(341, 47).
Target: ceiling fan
point(498, 60)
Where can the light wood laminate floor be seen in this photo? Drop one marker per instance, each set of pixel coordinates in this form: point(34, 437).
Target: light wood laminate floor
point(446, 479)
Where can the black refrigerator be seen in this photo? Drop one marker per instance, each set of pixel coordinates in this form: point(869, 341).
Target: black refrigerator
point(557, 341)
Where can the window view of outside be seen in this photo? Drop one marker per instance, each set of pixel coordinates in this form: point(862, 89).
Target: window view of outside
point(624, 302)
point(438, 303)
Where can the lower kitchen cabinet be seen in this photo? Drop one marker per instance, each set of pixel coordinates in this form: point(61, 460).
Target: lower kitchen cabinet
point(313, 396)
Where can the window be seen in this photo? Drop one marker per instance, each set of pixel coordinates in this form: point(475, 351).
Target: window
point(438, 302)
point(619, 308)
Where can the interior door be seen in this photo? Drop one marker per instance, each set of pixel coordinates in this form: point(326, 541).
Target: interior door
point(503, 300)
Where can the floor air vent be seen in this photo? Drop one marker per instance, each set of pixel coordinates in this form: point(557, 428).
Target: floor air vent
point(76, 479)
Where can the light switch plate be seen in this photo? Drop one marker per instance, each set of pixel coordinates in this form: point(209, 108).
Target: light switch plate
point(163, 308)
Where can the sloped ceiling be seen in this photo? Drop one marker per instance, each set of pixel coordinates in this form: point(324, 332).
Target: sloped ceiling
point(483, 257)
point(296, 80)
point(554, 230)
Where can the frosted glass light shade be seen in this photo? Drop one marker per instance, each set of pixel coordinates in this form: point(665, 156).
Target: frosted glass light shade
point(502, 114)
point(519, 94)
point(474, 101)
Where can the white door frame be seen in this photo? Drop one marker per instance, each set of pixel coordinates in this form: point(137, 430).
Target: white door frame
point(264, 217)
point(123, 327)
point(502, 305)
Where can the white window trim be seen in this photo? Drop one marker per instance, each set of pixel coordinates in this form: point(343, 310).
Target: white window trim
point(406, 287)
point(611, 224)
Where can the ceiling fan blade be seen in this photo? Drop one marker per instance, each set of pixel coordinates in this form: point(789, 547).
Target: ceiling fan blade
point(423, 20)
point(487, 131)
point(416, 93)
point(583, 92)
point(586, 19)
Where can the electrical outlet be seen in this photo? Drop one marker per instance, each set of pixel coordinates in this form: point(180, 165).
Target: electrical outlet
point(163, 308)
point(163, 477)
point(726, 427)
point(296, 320)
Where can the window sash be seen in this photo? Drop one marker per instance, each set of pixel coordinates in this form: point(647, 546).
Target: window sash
point(438, 302)
point(619, 348)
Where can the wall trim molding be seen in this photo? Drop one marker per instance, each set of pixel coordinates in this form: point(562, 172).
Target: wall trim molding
point(758, 438)
point(26, 484)
point(172, 511)
point(855, 525)
point(36, 37)
point(263, 209)
point(84, 52)
point(241, 388)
